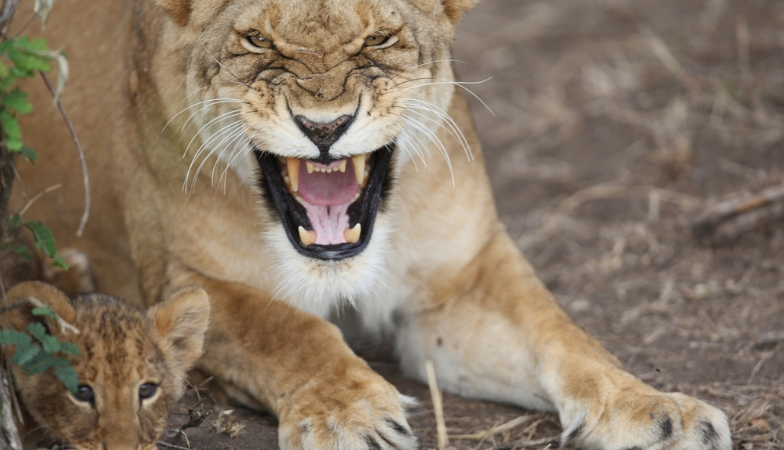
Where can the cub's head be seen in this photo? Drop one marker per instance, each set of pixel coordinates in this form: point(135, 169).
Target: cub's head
point(320, 102)
point(130, 372)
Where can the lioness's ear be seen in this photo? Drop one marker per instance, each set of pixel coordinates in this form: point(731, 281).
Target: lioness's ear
point(453, 9)
point(178, 10)
point(181, 322)
point(46, 294)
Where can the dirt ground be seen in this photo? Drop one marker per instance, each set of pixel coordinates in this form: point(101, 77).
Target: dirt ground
point(616, 124)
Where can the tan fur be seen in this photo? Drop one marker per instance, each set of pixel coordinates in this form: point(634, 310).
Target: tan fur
point(439, 261)
point(122, 349)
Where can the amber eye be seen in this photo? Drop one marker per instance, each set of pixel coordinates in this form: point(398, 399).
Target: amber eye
point(147, 390)
point(84, 393)
point(259, 41)
point(378, 38)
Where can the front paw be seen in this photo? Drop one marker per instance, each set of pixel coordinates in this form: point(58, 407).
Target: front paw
point(357, 411)
point(656, 421)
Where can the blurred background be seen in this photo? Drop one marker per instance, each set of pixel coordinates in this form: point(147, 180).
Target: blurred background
point(623, 133)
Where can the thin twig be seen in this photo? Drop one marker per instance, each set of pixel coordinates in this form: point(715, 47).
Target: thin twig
point(64, 326)
point(85, 177)
point(438, 407)
point(172, 446)
point(516, 422)
point(39, 195)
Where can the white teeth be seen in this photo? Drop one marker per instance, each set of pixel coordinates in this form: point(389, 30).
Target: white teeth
point(359, 168)
point(292, 164)
point(309, 165)
point(342, 166)
point(309, 237)
point(351, 234)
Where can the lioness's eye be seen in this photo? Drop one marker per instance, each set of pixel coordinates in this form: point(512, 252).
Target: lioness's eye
point(259, 41)
point(377, 38)
point(84, 393)
point(147, 390)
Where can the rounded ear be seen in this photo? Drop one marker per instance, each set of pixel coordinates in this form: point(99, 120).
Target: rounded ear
point(46, 294)
point(178, 10)
point(181, 322)
point(453, 9)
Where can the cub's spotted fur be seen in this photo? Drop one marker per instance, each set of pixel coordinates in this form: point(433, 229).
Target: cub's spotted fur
point(131, 369)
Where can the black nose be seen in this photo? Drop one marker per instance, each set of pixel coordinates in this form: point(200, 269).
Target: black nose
point(324, 134)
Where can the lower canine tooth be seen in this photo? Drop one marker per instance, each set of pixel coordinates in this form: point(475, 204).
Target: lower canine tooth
point(292, 164)
point(307, 237)
point(352, 234)
point(359, 168)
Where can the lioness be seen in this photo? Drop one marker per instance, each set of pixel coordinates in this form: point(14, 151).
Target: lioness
point(299, 158)
point(131, 368)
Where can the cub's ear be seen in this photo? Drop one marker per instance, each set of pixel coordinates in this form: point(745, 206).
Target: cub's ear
point(453, 9)
point(48, 295)
point(178, 10)
point(181, 322)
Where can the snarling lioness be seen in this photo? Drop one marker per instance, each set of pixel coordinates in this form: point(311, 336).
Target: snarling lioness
point(301, 158)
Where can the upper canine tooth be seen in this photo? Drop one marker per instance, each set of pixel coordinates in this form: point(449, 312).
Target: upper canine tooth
point(293, 167)
point(309, 165)
point(342, 166)
point(359, 168)
point(307, 237)
point(352, 234)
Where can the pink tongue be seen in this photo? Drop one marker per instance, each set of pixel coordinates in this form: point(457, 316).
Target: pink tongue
point(327, 189)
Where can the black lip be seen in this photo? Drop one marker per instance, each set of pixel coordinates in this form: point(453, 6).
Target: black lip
point(363, 210)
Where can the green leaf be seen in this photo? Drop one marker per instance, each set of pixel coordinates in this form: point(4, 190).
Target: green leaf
point(17, 100)
point(19, 249)
point(29, 154)
point(15, 338)
point(10, 124)
point(25, 354)
point(37, 330)
point(51, 344)
point(38, 364)
point(60, 262)
point(4, 72)
point(44, 311)
point(66, 373)
point(42, 237)
point(14, 144)
point(69, 349)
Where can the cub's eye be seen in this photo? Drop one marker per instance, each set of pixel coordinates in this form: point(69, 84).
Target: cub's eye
point(84, 393)
point(147, 390)
point(379, 38)
point(259, 41)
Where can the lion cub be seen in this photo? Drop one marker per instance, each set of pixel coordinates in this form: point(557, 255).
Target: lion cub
point(130, 371)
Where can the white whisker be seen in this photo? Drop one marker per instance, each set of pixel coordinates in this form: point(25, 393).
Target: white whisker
point(445, 119)
point(214, 120)
point(460, 84)
point(224, 132)
point(433, 138)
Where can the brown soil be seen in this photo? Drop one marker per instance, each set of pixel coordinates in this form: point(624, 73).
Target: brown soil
point(659, 97)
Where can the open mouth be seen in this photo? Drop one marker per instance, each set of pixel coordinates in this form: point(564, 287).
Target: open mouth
point(327, 208)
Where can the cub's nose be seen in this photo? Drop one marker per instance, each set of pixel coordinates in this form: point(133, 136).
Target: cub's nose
point(324, 134)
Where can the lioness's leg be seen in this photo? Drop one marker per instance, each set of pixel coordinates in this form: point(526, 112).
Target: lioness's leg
point(270, 354)
point(495, 332)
